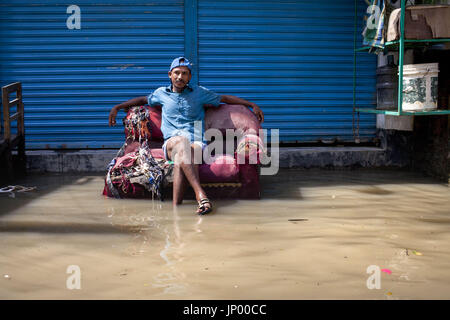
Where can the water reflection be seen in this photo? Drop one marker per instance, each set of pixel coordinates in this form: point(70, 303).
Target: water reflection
point(172, 281)
point(198, 225)
point(156, 230)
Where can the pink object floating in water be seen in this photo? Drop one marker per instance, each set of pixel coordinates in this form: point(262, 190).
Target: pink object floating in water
point(386, 270)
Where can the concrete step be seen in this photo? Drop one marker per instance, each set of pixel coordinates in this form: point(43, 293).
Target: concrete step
point(308, 157)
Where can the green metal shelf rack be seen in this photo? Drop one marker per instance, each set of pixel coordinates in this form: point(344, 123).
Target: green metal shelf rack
point(401, 48)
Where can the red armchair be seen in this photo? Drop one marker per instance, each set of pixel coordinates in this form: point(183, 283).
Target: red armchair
point(234, 175)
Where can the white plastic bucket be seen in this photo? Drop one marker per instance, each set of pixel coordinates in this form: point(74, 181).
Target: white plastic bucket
point(420, 86)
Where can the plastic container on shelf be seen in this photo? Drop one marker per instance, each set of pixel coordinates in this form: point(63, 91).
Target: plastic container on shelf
point(387, 86)
point(420, 87)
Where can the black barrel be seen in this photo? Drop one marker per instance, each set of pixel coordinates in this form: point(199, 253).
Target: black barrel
point(387, 87)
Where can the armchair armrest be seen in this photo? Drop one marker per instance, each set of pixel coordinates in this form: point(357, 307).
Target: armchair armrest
point(250, 148)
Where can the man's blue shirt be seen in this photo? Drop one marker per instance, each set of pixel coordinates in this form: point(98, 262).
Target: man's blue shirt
point(181, 110)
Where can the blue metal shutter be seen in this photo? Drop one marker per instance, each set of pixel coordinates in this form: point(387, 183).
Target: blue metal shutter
point(72, 78)
point(294, 59)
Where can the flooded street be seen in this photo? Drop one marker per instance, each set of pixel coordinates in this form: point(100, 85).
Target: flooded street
point(312, 235)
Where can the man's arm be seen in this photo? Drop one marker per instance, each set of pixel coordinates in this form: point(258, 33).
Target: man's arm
point(236, 100)
point(140, 101)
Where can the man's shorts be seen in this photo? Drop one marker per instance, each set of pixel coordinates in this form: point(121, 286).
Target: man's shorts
point(164, 147)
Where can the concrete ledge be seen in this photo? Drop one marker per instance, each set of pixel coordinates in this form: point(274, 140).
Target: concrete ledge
point(332, 157)
point(69, 161)
point(96, 160)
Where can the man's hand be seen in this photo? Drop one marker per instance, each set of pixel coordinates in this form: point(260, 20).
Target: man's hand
point(258, 112)
point(112, 117)
point(139, 101)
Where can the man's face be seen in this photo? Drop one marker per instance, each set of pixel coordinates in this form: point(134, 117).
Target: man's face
point(180, 77)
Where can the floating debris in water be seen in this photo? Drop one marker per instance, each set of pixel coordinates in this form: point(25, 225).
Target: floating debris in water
point(387, 271)
point(300, 219)
point(6, 276)
point(415, 252)
point(123, 273)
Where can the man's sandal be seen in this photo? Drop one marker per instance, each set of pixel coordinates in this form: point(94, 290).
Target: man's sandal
point(202, 208)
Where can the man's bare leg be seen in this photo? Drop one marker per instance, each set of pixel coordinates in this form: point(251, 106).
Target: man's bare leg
point(181, 153)
point(179, 184)
point(180, 181)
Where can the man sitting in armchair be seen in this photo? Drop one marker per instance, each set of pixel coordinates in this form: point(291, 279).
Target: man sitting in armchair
point(183, 105)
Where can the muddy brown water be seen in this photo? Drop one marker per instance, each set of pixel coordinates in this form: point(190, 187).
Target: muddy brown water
point(312, 235)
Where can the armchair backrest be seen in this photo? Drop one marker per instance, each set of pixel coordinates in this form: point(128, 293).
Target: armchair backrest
point(231, 117)
point(145, 121)
point(247, 140)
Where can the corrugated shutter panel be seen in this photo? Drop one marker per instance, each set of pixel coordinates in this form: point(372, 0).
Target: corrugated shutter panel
point(294, 59)
point(72, 78)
